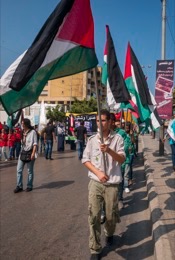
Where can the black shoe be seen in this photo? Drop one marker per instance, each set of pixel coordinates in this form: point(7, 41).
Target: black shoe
point(51, 159)
point(46, 158)
point(95, 257)
point(28, 189)
point(18, 189)
point(174, 168)
point(109, 241)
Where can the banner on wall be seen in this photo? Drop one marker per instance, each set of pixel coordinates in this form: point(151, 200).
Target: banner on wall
point(89, 122)
point(164, 88)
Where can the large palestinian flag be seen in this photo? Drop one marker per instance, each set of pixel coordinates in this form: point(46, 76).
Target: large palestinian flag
point(112, 77)
point(142, 100)
point(137, 85)
point(64, 46)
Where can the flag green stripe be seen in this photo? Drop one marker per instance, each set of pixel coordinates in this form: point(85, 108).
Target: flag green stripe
point(144, 111)
point(84, 58)
point(104, 76)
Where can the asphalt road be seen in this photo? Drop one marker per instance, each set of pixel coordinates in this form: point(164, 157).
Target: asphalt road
point(50, 223)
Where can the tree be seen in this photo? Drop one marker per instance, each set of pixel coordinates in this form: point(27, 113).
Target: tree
point(55, 114)
point(84, 106)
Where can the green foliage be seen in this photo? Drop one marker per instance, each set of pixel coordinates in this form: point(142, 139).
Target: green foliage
point(55, 114)
point(84, 106)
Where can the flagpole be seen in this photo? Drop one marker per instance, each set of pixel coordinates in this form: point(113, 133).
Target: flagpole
point(99, 115)
point(121, 115)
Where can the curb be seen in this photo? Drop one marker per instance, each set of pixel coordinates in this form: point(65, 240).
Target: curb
point(162, 247)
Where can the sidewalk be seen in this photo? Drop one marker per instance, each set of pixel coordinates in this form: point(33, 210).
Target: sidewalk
point(161, 195)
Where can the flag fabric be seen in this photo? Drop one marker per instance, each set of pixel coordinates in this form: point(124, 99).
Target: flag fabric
point(42, 117)
point(137, 85)
point(64, 46)
point(156, 121)
point(112, 77)
point(170, 130)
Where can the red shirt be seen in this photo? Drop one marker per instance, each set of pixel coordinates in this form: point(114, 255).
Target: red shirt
point(11, 140)
point(18, 137)
point(3, 140)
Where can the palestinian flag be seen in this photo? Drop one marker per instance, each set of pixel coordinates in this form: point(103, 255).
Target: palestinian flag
point(112, 77)
point(137, 85)
point(155, 119)
point(64, 46)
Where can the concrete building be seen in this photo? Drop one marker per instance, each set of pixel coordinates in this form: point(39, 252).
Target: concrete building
point(63, 91)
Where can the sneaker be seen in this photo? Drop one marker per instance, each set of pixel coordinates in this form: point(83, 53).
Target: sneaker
point(102, 218)
point(120, 205)
point(127, 190)
point(109, 241)
point(51, 159)
point(18, 189)
point(28, 189)
point(95, 257)
point(6, 160)
point(46, 158)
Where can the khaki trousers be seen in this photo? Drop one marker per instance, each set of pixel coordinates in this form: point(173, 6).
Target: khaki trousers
point(100, 194)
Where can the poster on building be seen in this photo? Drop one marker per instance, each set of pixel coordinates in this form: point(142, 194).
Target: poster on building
point(164, 88)
point(74, 120)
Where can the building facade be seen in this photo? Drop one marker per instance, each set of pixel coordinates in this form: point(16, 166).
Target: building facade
point(81, 86)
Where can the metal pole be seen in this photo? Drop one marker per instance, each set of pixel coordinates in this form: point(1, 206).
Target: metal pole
point(70, 93)
point(99, 114)
point(163, 30)
point(161, 133)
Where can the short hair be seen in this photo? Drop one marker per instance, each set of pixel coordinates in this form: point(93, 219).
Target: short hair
point(50, 121)
point(27, 123)
point(81, 122)
point(112, 117)
point(106, 113)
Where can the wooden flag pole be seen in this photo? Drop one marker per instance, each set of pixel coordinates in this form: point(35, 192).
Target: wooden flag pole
point(99, 115)
point(121, 115)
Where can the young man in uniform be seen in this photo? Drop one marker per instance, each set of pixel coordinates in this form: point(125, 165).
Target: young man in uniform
point(103, 186)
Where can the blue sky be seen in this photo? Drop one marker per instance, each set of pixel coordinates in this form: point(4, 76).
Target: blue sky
point(137, 21)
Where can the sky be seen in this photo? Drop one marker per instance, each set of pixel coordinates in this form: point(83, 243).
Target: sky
point(136, 21)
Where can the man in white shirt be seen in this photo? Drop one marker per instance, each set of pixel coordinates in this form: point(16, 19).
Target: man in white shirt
point(103, 186)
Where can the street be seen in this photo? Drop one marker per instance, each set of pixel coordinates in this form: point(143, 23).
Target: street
point(51, 222)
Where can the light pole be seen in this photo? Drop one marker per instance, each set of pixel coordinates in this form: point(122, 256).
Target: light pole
point(161, 133)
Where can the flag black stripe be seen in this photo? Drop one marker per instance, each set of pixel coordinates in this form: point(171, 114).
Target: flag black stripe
point(141, 81)
point(35, 55)
point(157, 116)
point(116, 81)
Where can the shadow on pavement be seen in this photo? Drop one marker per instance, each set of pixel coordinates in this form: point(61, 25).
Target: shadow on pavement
point(129, 238)
point(162, 230)
point(170, 202)
point(53, 185)
point(8, 164)
point(170, 183)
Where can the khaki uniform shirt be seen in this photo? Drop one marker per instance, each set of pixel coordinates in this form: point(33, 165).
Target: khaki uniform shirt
point(93, 154)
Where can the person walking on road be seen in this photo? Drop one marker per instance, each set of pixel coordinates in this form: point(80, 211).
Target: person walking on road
point(81, 133)
point(61, 137)
point(29, 143)
point(49, 137)
point(103, 186)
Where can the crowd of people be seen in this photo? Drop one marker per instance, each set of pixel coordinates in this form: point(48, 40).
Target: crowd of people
point(109, 164)
point(10, 142)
